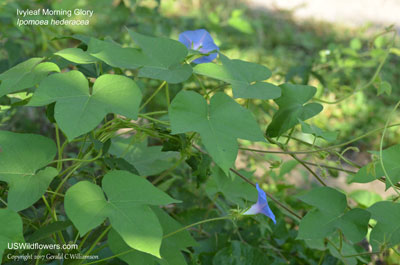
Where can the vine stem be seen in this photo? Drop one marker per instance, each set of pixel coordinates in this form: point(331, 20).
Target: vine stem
point(98, 240)
point(166, 236)
point(381, 148)
point(298, 160)
point(320, 149)
point(152, 95)
point(197, 223)
point(378, 70)
point(202, 86)
point(59, 150)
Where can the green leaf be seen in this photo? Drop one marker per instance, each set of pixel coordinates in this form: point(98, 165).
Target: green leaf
point(325, 199)
point(365, 198)
point(240, 253)
point(148, 160)
point(317, 132)
point(235, 189)
point(78, 111)
point(245, 77)
point(126, 188)
point(47, 230)
point(22, 161)
point(133, 257)
point(86, 206)
point(330, 214)
point(113, 54)
point(317, 225)
point(126, 206)
point(170, 248)
point(368, 173)
point(10, 229)
point(354, 224)
point(346, 250)
point(374, 170)
point(320, 222)
point(25, 75)
point(384, 87)
point(292, 108)
point(164, 58)
point(76, 55)
point(387, 231)
point(220, 123)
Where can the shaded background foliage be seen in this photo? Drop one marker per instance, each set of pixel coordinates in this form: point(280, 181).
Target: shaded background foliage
point(334, 59)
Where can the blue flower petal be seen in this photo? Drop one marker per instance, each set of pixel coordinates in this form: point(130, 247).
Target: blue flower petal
point(262, 197)
point(199, 40)
point(261, 206)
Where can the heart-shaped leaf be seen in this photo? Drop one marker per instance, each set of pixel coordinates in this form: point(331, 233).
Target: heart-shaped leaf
point(22, 161)
point(126, 206)
point(10, 229)
point(170, 248)
point(77, 111)
point(25, 75)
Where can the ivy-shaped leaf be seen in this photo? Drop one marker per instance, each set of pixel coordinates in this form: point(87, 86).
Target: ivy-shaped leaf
point(10, 229)
point(329, 214)
point(126, 206)
point(148, 160)
point(292, 108)
point(76, 55)
point(245, 77)
point(77, 111)
point(25, 75)
point(22, 161)
point(164, 58)
point(170, 248)
point(387, 231)
point(219, 124)
point(114, 55)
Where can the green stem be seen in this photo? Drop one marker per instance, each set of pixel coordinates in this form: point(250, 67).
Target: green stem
point(156, 112)
point(165, 236)
point(152, 95)
point(98, 240)
point(329, 167)
point(361, 254)
point(83, 241)
point(321, 260)
point(167, 95)
point(202, 86)
point(196, 224)
point(154, 120)
point(59, 150)
point(381, 148)
point(53, 217)
point(320, 149)
point(371, 81)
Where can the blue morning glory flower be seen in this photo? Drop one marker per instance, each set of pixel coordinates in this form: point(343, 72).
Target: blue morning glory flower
point(201, 41)
point(261, 206)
